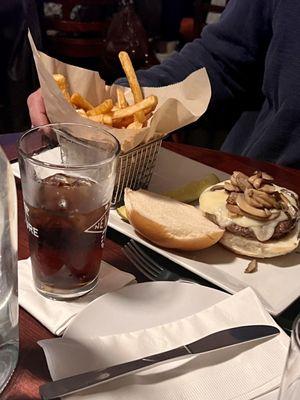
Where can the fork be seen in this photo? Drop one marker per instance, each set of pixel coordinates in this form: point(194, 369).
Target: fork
point(149, 267)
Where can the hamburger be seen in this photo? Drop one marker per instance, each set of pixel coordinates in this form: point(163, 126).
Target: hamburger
point(260, 218)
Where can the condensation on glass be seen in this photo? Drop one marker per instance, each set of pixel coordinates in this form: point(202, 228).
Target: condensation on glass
point(9, 333)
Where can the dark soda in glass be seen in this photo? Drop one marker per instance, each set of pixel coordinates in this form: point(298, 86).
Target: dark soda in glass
point(67, 225)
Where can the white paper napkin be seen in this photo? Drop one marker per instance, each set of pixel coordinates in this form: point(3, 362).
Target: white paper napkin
point(56, 315)
point(16, 169)
point(47, 156)
point(240, 373)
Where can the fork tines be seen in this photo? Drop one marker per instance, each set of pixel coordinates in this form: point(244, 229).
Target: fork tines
point(145, 264)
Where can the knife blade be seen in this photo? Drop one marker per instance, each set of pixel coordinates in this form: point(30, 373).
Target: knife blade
point(218, 340)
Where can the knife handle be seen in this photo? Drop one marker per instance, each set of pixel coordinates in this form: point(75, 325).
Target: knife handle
point(65, 386)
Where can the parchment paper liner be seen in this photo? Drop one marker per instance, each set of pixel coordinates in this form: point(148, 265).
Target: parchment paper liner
point(178, 105)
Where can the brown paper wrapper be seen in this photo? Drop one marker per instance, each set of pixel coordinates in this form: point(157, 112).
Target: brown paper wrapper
point(178, 105)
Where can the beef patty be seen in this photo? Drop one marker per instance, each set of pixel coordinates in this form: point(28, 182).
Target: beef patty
point(282, 228)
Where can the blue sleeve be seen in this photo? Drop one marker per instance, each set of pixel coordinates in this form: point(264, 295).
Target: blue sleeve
point(232, 50)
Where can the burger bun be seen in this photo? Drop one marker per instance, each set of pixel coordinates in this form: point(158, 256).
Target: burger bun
point(254, 248)
point(169, 223)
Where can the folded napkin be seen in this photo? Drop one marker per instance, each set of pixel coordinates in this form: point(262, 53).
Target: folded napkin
point(56, 315)
point(16, 169)
point(241, 373)
point(50, 156)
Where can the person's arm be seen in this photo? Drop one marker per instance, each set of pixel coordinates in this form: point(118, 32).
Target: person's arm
point(232, 50)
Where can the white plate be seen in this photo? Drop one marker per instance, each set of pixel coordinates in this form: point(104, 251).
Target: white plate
point(277, 281)
point(141, 306)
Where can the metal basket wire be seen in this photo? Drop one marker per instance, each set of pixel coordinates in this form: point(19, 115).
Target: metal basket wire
point(134, 169)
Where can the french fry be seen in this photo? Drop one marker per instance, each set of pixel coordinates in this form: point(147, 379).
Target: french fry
point(62, 83)
point(135, 125)
point(81, 112)
point(127, 121)
point(123, 123)
point(133, 83)
point(80, 102)
point(147, 117)
point(131, 76)
point(148, 102)
point(103, 108)
point(120, 114)
point(102, 118)
point(122, 102)
point(141, 116)
point(60, 80)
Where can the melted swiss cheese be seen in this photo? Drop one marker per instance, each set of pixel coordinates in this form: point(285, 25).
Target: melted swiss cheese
point(214, 202)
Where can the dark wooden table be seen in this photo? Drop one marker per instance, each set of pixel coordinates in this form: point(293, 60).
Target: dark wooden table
point(32, 369)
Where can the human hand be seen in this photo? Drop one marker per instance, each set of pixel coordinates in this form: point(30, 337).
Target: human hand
point(37, 109)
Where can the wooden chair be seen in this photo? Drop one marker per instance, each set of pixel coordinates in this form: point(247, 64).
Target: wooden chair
point(65, 37)
point(203, 8)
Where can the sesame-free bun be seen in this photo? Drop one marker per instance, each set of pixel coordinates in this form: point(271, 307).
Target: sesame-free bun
point(254, 248)
point(245, 233)
point(169, 223)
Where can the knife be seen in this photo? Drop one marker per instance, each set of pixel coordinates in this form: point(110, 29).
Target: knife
point(218, 340)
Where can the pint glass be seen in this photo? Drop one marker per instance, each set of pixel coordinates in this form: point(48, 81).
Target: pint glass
point(67, 185)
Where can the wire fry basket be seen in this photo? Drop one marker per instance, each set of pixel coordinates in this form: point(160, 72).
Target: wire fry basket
point(134, 169)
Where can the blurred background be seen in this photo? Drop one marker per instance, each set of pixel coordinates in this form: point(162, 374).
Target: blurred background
point(90, 33)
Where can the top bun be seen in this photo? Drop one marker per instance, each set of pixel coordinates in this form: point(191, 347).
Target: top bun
point(169, 223)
